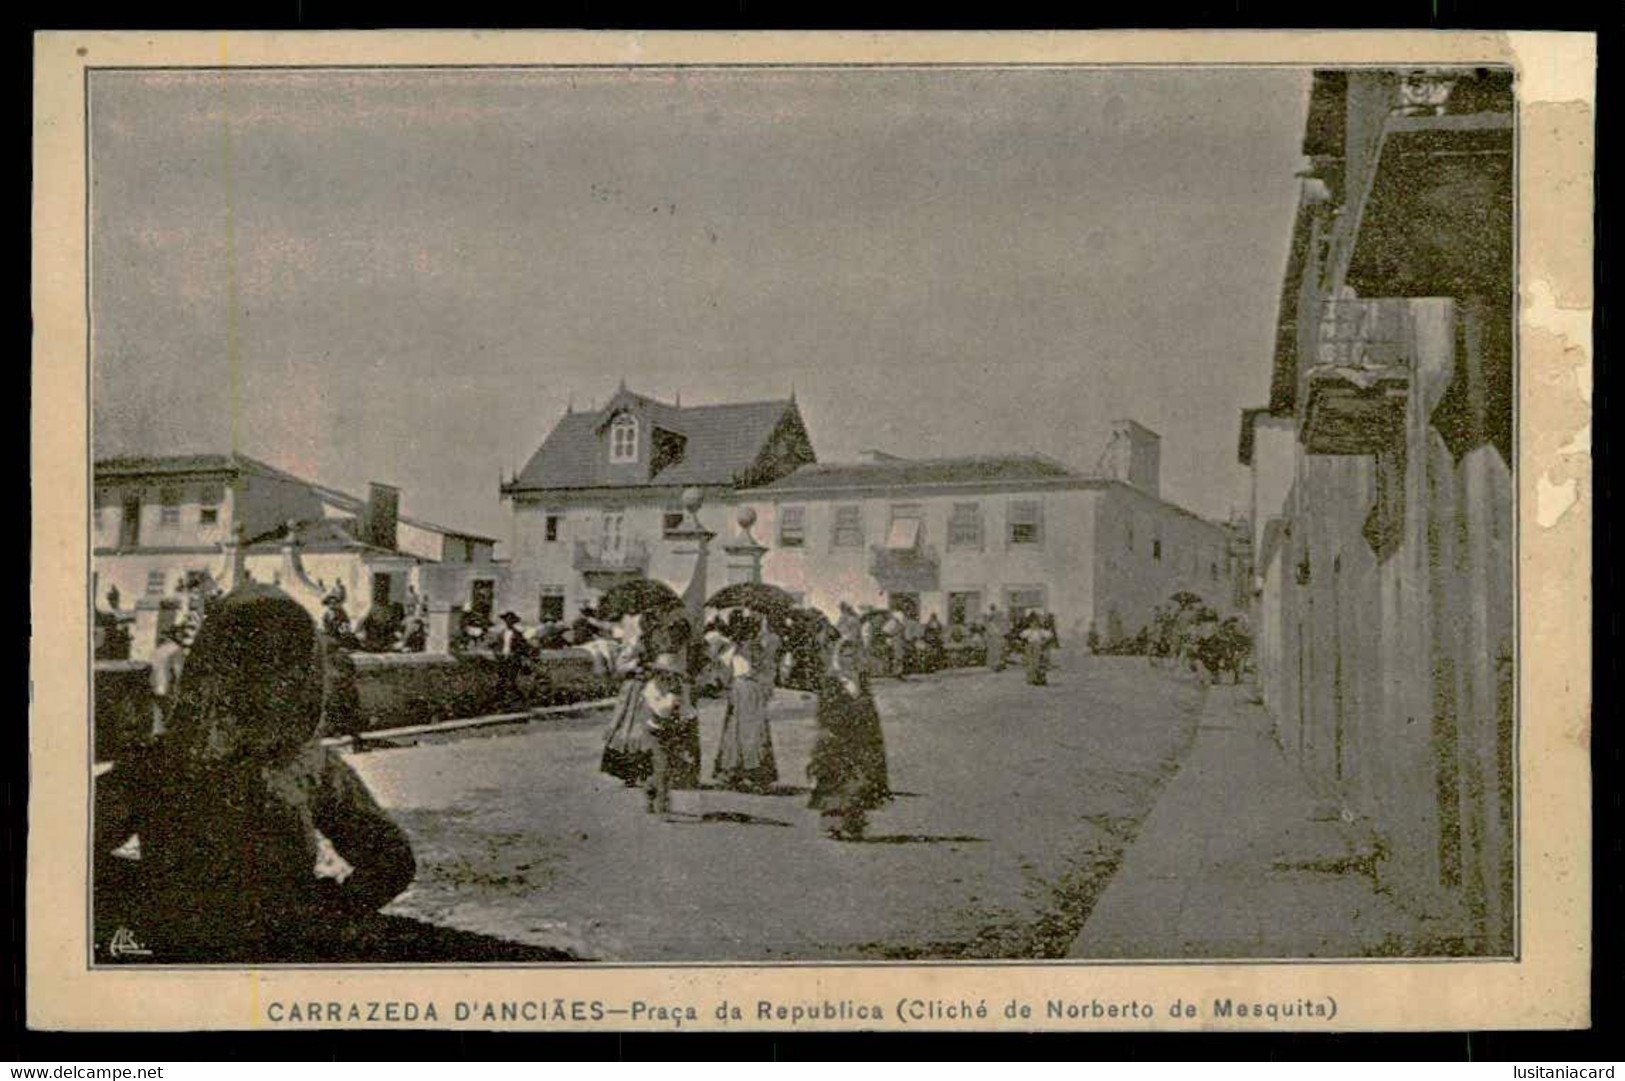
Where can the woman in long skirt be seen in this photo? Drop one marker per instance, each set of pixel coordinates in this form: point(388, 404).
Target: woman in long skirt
point(744, 759)
point(1036, 642)
point(628, 754)
point(848, 765)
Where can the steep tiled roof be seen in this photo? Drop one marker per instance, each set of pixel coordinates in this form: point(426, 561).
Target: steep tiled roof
point(982, 469)
point(723, 442)
point(177, 464)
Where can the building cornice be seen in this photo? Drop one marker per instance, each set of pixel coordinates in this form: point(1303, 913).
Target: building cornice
point(161, 550)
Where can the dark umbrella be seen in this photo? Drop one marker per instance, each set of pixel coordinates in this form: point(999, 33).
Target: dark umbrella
point(760, 597)
point(639, 596)
point(878, 617)
point(808, 624)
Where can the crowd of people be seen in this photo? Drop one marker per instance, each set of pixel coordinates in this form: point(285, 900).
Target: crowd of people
point(652, 740)
point(653, 737)
point(249, 833)
point(897, 645)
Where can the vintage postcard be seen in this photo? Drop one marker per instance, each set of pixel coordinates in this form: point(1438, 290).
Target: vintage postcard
point(811, 531)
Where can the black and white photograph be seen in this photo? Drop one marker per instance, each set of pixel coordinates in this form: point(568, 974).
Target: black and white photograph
point(786, 532)
point(713, 514)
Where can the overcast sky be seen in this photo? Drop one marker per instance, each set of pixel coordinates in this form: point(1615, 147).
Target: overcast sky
point(405, 276)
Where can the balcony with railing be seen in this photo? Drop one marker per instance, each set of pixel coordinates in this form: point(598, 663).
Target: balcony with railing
point(1417, 172)
point(1356, 377)
point(916, 569)
point(596, 557)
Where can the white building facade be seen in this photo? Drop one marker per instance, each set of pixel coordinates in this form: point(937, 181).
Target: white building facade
point(600, 503)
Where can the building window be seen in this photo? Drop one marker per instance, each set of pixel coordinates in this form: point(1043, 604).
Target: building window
point(1213, 571)
point(210, 499)
point(848, 527)
point(964, 607)
point(623, 439)
point(169, 506)
point(1022, 601)
point(1128, 535)
point(792, 527)
point(907, 528)
point(551, 606)
point(155, 583)
point(611, 533)
point(552, 527)
point(1026, 522)
point(965, 526)
point(1156, 548)
point(671, 521)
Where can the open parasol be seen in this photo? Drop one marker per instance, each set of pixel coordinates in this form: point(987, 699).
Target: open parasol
point(876, 617)
point(641, 596)
point(770, 601)
point(808, 624)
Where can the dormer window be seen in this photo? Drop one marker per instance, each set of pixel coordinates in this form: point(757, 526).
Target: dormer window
point(623, 439)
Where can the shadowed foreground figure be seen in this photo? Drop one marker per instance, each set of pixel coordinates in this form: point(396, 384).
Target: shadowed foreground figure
point(848, 765)
point(240, 812)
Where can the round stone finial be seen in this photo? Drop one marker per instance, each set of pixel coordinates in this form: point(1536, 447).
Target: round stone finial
point(692, 499)
point(746, 517)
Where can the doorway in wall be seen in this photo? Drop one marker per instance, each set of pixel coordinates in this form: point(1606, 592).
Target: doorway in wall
point(482, 598)
point(907, 604)
point(130, 525)
point(964, 607)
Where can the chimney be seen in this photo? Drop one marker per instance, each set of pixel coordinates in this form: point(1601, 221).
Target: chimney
point(1134, 456)
point(381, 514)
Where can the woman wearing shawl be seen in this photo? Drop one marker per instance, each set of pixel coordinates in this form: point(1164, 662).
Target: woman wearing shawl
point(848, 764)
point(627, 753)
point(239, 812)
point(1037, 640)
point(744, 759)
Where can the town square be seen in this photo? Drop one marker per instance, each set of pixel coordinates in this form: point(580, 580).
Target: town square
point(788, 515)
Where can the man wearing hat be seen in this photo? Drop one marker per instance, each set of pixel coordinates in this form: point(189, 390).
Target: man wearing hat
point(512, 651)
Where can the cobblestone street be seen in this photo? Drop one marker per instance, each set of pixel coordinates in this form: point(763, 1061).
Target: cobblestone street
point(1014, 806)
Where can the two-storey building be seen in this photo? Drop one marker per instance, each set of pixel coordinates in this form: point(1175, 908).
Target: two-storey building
point(160, 522)
point(599, 502)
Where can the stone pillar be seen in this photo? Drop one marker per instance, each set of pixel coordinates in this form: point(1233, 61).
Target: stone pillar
point(232, 571)
point(153, 616)
point(696, 541)
point(747, 554)
point(439, 627)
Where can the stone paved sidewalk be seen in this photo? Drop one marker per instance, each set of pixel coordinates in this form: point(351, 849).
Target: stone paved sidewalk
point(1235, 862)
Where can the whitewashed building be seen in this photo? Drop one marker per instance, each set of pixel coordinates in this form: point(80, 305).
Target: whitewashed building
point(599, 503)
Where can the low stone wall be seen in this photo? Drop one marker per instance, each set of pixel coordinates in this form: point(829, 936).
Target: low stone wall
point(395, 690)
point(421, 688)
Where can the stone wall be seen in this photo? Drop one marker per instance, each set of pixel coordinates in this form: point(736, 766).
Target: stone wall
point(396, 690)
